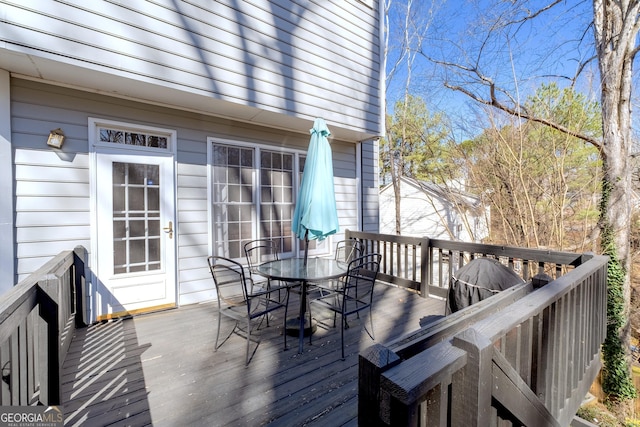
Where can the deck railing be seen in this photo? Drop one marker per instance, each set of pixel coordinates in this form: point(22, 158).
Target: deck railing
point(522, 357)
point(37, 319)
point(426, 265)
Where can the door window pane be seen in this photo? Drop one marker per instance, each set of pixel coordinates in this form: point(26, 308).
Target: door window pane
point(136, 217)
point(154, 251)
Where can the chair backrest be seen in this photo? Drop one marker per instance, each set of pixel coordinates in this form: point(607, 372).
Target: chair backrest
point(348, 250)
point(261, 251)
point(361, 276)
point(230, 281)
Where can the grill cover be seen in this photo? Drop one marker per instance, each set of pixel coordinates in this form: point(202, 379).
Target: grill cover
point(477, 281)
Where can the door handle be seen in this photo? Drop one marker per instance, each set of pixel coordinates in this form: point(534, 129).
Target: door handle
point(169, 229)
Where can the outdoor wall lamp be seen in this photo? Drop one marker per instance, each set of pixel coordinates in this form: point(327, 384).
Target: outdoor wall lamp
point(56, 138)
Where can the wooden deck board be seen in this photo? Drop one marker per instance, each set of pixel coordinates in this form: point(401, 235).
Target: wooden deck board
point(161, 369)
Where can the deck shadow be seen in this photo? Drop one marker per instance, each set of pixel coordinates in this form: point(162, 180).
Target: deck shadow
point(103, 382)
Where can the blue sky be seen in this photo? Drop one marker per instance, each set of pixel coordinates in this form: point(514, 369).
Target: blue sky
point(518, 57)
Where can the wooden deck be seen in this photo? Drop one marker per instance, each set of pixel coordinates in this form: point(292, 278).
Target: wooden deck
point(161, 369)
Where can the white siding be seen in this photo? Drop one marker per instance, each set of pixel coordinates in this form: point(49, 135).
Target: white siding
point(52, 187)
point(297, 58)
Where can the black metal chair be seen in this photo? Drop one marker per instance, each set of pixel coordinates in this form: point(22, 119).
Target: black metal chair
point(240, 299)
point(264, 250)
point(346, 251)
point(349, 249)
point(353, 293)
point(260, 251)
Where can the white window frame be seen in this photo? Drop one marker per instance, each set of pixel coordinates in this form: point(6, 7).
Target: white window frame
point(95, 143)
point(322, 248)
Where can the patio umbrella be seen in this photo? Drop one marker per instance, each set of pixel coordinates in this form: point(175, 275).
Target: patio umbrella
point(315, 215)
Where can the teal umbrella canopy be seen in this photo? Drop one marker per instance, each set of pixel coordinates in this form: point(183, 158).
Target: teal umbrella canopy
point(315, 215)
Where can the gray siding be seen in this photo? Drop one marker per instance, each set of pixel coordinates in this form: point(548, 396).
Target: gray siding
point(301, 59)
point(345, 181)
point(52, 188)
point(370, 187)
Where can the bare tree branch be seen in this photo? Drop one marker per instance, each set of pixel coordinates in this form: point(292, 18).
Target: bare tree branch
point(517, 110)
point(538, 12)
point(521, 112)
point(582, 66)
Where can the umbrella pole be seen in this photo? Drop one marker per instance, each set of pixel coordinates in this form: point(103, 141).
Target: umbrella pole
point(306, 246)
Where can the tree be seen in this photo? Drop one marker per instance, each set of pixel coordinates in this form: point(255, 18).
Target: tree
point(540, 183)
point(411, 24)
point(414, 146)
point(616, 26)
point(509, 28)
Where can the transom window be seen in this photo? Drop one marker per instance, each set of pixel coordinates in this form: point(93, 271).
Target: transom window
point(138, 139)
point(253, 193)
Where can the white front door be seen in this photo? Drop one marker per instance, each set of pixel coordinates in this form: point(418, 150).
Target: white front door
point(136, 262)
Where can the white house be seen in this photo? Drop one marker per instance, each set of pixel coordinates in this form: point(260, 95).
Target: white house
point(435, 211)
point(185, 128)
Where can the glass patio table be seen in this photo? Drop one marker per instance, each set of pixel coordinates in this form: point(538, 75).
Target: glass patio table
point(294, 270)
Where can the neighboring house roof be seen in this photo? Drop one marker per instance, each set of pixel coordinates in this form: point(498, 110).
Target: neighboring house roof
point(447, 193)
point(434, 210)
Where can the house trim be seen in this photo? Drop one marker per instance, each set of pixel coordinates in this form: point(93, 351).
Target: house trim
point(7, 221)
point(359, 195)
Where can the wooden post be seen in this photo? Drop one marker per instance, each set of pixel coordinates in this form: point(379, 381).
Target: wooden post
point(471, 393)
point(51, 360)
point(79, 262)
point(425, 266)
point(372, 363)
